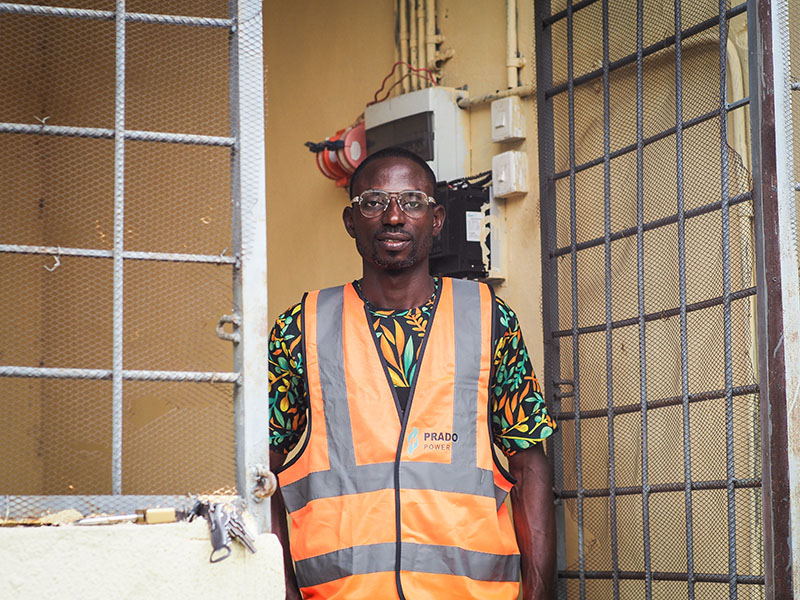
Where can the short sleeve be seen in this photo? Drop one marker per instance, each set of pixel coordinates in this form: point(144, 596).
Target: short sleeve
point(288, 396)
point(519, 415)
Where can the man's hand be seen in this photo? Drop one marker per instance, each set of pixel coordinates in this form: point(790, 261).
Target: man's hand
point(534, 521)
point(281, 529)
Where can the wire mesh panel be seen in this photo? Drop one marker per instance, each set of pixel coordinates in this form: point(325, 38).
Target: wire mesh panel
point(649, 299)
point(121, 248)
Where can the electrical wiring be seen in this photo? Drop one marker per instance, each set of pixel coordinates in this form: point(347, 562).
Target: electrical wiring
point(422, 73)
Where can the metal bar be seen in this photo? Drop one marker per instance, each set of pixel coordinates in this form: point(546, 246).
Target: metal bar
point(108, 15)
point(663, 314)
point(130, 134)
point(218, 259)
point(776, 274)
point(640, 289)
point(609, 317)
point(661, 488)
point(655, 224)
point(127, 375)
point(21, 507)
point(726, 287)
point(744, 390)
point(551, 345)
point(655, 137)
point(559, 16)
point(687, 446)
point(119, 238)
point(573, 234)
point(667, 576)
point(645, 52)
point(248, 191)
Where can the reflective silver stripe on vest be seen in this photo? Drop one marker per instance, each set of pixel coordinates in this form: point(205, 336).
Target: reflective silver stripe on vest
point(420, 558)
point(467, 327)
point(374, 477)
point(330, 354)
point(358, 560)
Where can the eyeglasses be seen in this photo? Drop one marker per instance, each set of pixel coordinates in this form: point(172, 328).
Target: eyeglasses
point(373, 203)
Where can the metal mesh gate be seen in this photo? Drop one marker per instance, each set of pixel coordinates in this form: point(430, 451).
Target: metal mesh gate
point(131, 152)
point(649, 308)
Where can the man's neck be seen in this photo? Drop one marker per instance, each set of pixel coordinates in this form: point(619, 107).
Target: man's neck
point(397, 290)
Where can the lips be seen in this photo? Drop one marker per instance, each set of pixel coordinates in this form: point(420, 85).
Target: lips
point(393, 241)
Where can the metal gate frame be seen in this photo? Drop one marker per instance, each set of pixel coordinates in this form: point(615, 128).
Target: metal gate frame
point(778, 307)
point(776, 289)
point(248, 189)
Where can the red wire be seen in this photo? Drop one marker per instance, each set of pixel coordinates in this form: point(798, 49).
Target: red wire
point(415, 71)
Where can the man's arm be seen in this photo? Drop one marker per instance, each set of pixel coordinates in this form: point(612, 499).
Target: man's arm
point(534, 521)
point(281, 529)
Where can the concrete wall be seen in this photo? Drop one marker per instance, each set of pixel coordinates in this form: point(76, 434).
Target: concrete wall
point(134, 561)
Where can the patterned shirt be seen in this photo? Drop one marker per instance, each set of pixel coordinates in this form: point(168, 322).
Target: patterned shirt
point(519, 415)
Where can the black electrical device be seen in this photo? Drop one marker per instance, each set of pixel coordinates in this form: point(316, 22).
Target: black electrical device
point(456, 250)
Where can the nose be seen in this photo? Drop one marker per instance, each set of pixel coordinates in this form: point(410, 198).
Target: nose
point(393, 215)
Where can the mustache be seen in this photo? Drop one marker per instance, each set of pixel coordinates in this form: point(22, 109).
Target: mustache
point(393, 232)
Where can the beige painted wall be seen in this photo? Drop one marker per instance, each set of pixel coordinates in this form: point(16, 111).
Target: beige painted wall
point(324, 61)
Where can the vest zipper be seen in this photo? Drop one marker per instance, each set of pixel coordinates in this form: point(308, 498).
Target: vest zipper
point(403, 416)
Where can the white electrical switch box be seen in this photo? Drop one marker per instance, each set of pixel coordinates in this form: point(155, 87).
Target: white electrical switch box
point(510, 174)
point(428, 122)
point(508, 122)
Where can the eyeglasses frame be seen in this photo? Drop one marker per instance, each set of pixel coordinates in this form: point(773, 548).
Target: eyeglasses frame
point(391, 195)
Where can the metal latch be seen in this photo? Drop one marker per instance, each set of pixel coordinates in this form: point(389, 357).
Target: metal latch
point(234, 336)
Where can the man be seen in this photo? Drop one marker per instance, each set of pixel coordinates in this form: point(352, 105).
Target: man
point(395, 386)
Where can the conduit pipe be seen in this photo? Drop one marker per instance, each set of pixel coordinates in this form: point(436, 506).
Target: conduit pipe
point(422, 47)
point(402, 9)
point(513, 62)
point(521, 91)
point(412, 42)
point(430, 34)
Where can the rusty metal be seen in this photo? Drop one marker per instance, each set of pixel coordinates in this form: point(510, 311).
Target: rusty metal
point(774, 432)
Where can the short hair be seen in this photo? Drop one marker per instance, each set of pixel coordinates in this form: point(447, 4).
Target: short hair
point(393, 152)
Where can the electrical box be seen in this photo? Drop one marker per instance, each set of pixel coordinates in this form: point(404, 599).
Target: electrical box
point(508, 122)
point(427, 122)
point(456, 251)
point(471, 242)
point(510, 174)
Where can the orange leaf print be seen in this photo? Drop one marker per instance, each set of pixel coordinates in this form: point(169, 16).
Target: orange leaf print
point(388, 354)
point(387, 333)
point(509, 414)
point(417, 322)
point(400, 337)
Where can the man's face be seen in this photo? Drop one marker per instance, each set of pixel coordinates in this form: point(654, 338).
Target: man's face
point(393, 241)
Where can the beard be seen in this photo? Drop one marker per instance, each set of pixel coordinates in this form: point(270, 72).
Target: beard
point(374, 253)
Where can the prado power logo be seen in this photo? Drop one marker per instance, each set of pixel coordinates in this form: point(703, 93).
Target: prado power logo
point(432, 441)
point(412, 441)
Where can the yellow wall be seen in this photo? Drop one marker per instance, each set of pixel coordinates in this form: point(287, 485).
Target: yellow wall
point(324, 61)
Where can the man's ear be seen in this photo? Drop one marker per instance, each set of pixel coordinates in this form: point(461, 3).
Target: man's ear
point(347, 218)
point(439, 215)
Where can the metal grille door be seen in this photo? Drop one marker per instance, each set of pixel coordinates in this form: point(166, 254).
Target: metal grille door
point(651, 351)
point(132, 253)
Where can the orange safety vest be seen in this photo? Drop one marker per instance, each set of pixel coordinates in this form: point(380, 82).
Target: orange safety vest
point(384, 507)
